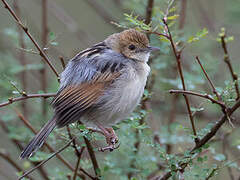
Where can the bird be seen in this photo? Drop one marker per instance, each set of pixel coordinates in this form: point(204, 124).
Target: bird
point(100, 87)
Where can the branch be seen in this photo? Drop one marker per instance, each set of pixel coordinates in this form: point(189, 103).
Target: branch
point(228, 62)
point(206, 96)
point(43, 162)
point(178, 59)
point(206, 138)
point(25, 29)
point(92, 157)
point(149, 10)
point(19, 145)
point(209, 80)
point(27, 96)
point(62, 62)
point(50, 148)
point(78, 162)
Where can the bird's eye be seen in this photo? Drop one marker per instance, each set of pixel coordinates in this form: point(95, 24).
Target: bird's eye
point(131, 47)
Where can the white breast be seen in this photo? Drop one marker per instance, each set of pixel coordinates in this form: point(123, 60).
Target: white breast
point(127, 94)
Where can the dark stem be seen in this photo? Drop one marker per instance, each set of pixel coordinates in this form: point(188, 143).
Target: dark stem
point(78, 162)
point(25, 29)
point(50, 148)
point(43, 162)
point(92, 157)
point(62, 62)
point(228, 62)
point(179, 66)
point(206, 96)
point(209, 80)
point(27, 96)
point(206, 138)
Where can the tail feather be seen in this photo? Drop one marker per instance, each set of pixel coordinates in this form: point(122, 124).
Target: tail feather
point(39, 139)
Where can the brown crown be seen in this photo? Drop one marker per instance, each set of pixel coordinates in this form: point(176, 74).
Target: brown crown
point(134, 36)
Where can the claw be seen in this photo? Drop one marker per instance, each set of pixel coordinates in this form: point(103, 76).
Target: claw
point(110, 148)
point(111, 139)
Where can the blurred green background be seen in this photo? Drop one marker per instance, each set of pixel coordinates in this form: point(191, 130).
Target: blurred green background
point(76, 25)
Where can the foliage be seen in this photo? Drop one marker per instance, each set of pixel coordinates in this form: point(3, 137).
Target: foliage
point(156, 139)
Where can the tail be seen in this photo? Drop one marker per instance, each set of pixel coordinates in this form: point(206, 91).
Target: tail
point(39, 139)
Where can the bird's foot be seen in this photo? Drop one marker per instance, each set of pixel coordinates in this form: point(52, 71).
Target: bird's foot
point(111, 139)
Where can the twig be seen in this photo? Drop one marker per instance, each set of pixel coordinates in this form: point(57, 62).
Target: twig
point(157, 33)
point(78, 162)
point(22, 59)
point(149, 10)
point(86, 173)
point(25, 29)
point(43, 71)
point(206, 96)
point(27, 96)
point(43, 162)
point(178, 59)
point(92, 157)
point(50, 148)
point(62, 62)
point(19, 145)
point(209, 80)
point(228, 62)
point(12, 162)
point(206, 138)
point(172, 112)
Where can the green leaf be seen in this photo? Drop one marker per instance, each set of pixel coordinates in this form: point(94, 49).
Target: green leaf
point(173, 17)
point(198, 36)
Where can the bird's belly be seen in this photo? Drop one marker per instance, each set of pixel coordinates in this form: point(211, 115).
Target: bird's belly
point(122, 102)
point(119, 100)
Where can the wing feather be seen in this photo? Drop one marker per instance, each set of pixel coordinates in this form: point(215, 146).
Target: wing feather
point(73, 101)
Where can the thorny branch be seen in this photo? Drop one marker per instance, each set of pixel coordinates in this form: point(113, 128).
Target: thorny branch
point(43, 162)
point(27, 96)
point(50, 148)
point(178, 59)
point(25, 29)
point(78, 162)
point(206, 138)
point(209, 80)
point(206, 96)
point(228, 62)
point(20, 147)
point(92, 157)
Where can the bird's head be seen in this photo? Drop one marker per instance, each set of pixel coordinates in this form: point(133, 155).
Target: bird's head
point(131, 43)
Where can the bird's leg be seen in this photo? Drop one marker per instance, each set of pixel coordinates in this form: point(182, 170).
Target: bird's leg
point(111, 138)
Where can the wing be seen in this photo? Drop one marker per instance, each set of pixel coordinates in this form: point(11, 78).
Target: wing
point(84, 80)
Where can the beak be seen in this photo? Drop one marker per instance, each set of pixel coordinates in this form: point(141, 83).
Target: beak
point(151, 48)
